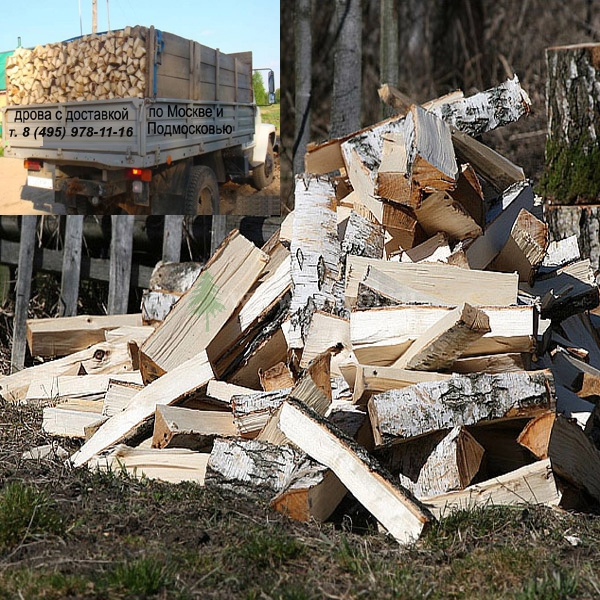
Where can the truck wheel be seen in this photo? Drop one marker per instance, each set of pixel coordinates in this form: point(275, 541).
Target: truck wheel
point(263, 176)
point(202, 194)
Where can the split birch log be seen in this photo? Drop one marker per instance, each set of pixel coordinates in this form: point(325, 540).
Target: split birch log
point(69, 420)
point(172, 465)
point(198, 317)
point(252, 468)
point(469, 194)
point(222, 392)
point(417, 160)
point(362, 237)
point(529, 485)
point(367, 379)
point(487, 246)
point(314, 492)
point(497, 170)
point(176, 427)
point(402, 516)
point(560, 253)
point(435, 249)
point(570, 290)
point(270, 291)
point(326, 333)
point(277, 377)
point(441, 212)
point(493, 363)
point(100, 358)
point(575, 374)
point(440, 345)
point(380, 336)
point(525, 247)
point(316, 253)
point(447, 283)
point(451, 465)
point(118, 396)
point(67, 335)
point(571, 452)
point(252, 411)
point(460, 400)
point(188, 377)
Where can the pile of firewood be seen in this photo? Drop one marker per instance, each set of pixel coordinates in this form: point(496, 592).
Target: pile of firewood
point(409, 336)
point(93, 67)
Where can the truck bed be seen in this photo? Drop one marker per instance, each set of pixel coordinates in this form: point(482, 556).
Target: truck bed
point(131, 132)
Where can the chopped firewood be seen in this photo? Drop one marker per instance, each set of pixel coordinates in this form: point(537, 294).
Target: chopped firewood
point(568, 291)
point(379, 336)
point(560, 253)
point(434, 249)
point(314, 492)
point(252, 411)
point(97, 359)
point(222, 392)
point(370, 379)
point(277, 377)
point(575, 374)
point(174, 385)
point(316, 253)
point(460, 400)
point(493, 167)
point(529, 485)
point(441, 212)
point(362, 237)
point(67, 420)
point(440, 345)
point(156, 305)
point(402, 516)
point(449, 284)
point(198, 317)
point(468, 193)
point(493, 363)
point(450, 465)
point(71, 387)
point(176, 427)
point(525, 247)
point(118, 396)
point(131, 333)
point(326, 332)
point(573, 407)
point(67, 335)
point(487, 246)
point(571, 452)
point(172, 465)
point(253, 468)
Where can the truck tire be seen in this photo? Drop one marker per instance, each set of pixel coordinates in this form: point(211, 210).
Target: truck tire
point(263, 176)
point(202, 192)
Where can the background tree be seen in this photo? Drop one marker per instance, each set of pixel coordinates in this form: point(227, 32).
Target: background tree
point(347, 68)
point(258, 85)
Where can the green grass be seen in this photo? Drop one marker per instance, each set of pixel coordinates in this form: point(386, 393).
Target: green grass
point(1, 151)
point(270, 114)
point(26, 512)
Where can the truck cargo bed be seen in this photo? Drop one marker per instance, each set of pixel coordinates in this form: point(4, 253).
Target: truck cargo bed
point(130, 132)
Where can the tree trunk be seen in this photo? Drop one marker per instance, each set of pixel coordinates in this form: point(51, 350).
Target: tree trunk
point(389, 49)
point(345, 102)
point(572, 153)
point(303, 83)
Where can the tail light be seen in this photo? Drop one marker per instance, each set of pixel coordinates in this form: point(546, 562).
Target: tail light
point(33, 164)
point(143, 174)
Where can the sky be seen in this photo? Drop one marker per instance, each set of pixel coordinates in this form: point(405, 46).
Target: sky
point(230, 25)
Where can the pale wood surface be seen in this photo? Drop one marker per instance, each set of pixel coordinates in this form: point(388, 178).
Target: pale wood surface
point(188, 377)
point(403, 517)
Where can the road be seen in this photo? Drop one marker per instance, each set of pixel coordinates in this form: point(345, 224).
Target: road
point(16, 198)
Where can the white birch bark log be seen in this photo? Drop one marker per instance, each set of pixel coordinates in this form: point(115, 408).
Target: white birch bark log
point(460, 400)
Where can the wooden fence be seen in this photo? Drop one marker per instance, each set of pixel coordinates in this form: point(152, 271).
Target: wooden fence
point(119, 270)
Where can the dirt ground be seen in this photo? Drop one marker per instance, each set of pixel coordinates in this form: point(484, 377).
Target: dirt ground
point(17, 198)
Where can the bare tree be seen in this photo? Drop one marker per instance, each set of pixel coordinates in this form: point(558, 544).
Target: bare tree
point(388, 46)
point(303, 82)
point(347, 72)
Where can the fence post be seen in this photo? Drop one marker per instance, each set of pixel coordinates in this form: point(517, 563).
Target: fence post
point(121, 247)
point(23, 292)
point(218, 231)
point(172, 237)
point(69, 283)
